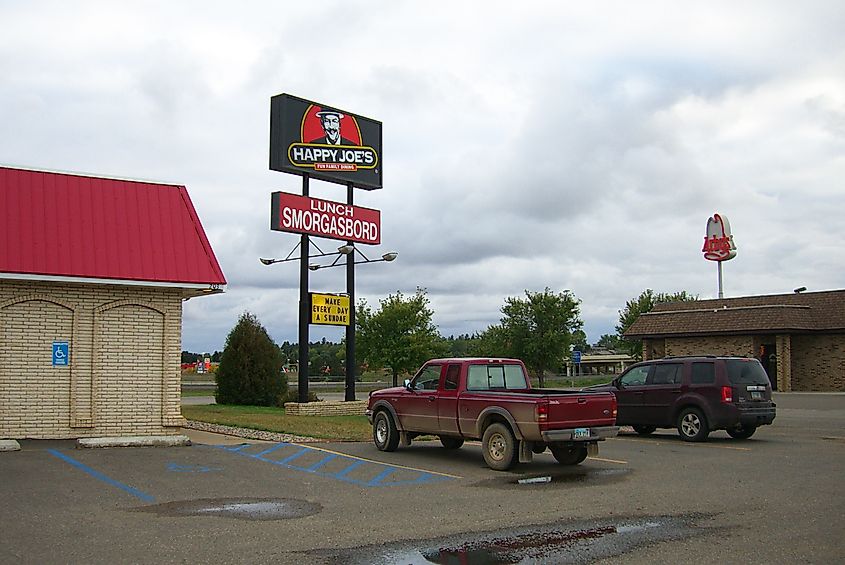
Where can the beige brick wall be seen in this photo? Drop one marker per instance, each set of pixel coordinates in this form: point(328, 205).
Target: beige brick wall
point(728, 345)
point(818, 362)
point(124, 373)
point(326, 408)
point(809, 362)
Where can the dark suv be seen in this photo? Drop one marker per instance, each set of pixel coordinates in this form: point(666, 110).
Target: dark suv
point(695, 394)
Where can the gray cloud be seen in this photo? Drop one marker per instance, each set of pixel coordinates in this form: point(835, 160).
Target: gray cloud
point(554, 147)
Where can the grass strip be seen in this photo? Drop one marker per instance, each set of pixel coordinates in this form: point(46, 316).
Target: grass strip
point(339, 428)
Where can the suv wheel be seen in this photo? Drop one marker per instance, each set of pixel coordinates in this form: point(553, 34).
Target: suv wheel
point(742, 432)
point(692, 425)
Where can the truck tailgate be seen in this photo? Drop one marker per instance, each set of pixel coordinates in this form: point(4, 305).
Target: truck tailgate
point(574, 410)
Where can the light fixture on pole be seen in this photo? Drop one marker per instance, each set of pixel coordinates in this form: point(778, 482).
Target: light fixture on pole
point(349, 249)
point(342, 250)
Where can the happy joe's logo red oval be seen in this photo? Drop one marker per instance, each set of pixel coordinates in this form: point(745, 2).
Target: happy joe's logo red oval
point(331, 140)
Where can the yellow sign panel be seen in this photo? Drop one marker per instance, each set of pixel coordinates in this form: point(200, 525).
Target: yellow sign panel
point(329, 309)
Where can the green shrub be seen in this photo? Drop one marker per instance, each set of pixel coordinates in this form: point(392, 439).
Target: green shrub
point(250, 370)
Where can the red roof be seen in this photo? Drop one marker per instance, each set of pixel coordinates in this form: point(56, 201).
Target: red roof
point(66, 225)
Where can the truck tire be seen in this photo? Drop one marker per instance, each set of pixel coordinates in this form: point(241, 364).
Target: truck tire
point(644, 430)
point(450, 442)
point(385, 434)
point(742, 432)
point(692, 425)
point(570, 455)
point(499, 447)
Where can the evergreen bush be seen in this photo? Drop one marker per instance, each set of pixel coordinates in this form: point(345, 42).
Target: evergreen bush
point(250, 370)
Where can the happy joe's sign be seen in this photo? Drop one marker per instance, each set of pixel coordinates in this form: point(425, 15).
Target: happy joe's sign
point(718, 241)
point(324, 218)
point(311, 138)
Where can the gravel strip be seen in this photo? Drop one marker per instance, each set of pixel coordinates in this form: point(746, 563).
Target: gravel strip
point(248, 433)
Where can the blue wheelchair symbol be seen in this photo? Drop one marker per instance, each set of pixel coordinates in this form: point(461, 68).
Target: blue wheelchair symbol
point(61, 353)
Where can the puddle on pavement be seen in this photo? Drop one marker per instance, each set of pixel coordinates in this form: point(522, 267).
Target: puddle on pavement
point(582, 542)
point(240, 508)
point(559, 478)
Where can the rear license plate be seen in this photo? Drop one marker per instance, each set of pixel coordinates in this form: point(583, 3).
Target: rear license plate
point(581, 433)
point(756, 395)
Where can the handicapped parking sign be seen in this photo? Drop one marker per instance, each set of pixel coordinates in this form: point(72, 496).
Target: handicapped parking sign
point(61, 353)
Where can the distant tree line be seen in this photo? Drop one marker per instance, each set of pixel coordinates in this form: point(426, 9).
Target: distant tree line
point(541, 328)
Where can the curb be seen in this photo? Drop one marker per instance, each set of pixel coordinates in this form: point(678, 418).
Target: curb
point(9, 445)
point(134, 441)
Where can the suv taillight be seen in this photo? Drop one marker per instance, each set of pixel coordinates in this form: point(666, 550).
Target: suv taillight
point(727, 394)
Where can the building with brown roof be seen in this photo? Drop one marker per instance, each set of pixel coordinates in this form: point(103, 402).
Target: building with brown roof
point(93, 273)
point(799, 337)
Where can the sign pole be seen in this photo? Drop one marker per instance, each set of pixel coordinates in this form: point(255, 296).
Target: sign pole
point(350, 329)
point(304, 309)
point(721, 294)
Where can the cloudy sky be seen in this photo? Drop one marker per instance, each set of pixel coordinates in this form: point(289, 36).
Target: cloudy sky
point(577, 146)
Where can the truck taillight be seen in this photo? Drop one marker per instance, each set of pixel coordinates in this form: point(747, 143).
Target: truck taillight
point(615, 406)
point(542, 412)
point(727, 394)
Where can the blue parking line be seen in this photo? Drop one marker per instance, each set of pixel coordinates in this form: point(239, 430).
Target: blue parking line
point(286, 460)
point(342, 475)
point(321, 462)
point(380, 477)
point(271, 450)
point(351, 467)
point(98, 475)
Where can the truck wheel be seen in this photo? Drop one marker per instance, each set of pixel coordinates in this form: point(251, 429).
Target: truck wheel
point(499, 447)
point(570, 455)
point(692, 425)
point(644, 430)
point(742, 432)
point(450, 442)
point(385, 434)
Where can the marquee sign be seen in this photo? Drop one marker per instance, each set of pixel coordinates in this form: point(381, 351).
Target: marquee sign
point(324, 142)
point(329, 309)
point(324, 218)
point(718, 241)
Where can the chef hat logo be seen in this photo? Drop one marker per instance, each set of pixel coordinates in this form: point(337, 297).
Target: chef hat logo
point(718, 243)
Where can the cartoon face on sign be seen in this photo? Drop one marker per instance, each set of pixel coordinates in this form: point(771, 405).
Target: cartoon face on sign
point(325, 126)
point(718, 243)
point(331, 141)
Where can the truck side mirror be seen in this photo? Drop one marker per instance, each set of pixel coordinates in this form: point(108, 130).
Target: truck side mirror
point(408, 384)
point(617, 382)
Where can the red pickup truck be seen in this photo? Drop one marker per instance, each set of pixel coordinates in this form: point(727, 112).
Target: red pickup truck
point(492, 400)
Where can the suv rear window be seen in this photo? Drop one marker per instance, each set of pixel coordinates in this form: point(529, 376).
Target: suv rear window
point(746, 372)
point(703, 373)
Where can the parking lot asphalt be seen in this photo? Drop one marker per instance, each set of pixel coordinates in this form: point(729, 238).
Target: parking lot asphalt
point(776, 498)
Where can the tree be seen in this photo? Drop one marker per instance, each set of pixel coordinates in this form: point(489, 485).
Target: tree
point(250, 367)
point(400, 335)
point(609, 341)
point(539, 328)
point(645, 302)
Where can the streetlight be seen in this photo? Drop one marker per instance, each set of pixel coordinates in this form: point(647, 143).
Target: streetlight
point(349, 249)
point(342, 250)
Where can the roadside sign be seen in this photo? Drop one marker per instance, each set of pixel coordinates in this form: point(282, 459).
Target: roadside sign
point(330, 309)
point(61, 354)
point(576, 357)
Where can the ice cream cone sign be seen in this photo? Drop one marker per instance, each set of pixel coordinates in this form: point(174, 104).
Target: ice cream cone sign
point(718, 243)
